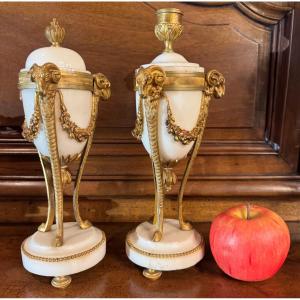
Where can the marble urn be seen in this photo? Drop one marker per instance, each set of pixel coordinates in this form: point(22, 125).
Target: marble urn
point(172, 100)
point(60, 100)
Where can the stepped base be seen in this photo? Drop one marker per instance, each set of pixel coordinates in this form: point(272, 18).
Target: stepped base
point(177, 249)
point(82, 249)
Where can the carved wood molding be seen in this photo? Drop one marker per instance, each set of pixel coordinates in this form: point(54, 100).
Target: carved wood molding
point(124, 209)
point(267, 13)
point(142, 188)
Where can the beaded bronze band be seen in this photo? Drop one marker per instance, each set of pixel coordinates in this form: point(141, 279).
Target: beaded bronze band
point(177, 81)
point(164, 255)
point(68, 80)
point(64, 258)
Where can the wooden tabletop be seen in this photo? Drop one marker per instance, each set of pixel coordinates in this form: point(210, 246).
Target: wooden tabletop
point(116, 276)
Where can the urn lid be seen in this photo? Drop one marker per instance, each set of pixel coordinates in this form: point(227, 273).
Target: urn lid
point(167, 29)
point(66, 59)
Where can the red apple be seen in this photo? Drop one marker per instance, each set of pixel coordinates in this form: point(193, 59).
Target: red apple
point(249, 242)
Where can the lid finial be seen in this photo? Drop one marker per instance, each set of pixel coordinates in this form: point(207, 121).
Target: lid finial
point(168, 27)
point(55, 33)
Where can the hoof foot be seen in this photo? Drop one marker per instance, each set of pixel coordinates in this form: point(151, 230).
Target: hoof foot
point(186, 226)
point(157, 236)
point(85, 224)
point(43, 228)
point(152, 274)
point(61, 282)
point(58, 242)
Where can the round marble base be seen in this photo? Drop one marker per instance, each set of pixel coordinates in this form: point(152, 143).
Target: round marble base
point(82, 249)
point(177, 249)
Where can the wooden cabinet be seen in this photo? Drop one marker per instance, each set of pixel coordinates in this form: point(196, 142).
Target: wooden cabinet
point(251, 145)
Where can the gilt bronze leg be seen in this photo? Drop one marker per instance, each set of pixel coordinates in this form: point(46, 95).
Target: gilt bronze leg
point(156, 199)
point(84, 224)
point(46, 78)
point(152, 119)
point(49, 121)
point(186, 225)
point(150, 83)
point(46, 166)
point(201, 123)
point(214, 86)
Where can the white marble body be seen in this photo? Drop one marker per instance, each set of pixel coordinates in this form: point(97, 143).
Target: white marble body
point(78, 102)
point(76, 241)
point(174, 241)
point(185, 106)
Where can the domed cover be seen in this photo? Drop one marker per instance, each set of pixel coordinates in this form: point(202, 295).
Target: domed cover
point(172, 61)
point(64, 58)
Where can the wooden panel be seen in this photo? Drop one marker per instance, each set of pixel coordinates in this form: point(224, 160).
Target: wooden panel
point(122, 166)
point(216, 38)
point(251, 144)
point(141, 186)
point(107, 209)
point(290, 127)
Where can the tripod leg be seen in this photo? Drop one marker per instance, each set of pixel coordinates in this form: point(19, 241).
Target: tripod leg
point(84, 224)
point(46, 166)
point(151, 109)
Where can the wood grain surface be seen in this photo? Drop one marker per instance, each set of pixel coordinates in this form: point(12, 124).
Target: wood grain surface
point(116, 276)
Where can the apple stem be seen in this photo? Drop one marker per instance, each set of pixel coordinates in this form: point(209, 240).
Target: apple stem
point(248, 207)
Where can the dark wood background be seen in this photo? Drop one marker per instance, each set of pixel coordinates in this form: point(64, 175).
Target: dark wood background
point(251, 145)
